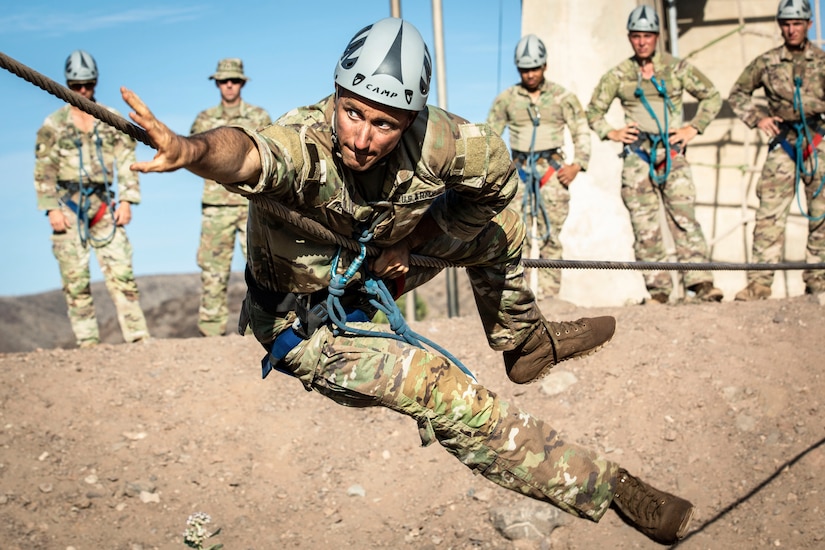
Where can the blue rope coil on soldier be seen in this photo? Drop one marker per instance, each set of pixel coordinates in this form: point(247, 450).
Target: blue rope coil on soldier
point(662, 139)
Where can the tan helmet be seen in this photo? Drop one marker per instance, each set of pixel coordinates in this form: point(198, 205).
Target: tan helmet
point(80, 67)
point(530, 52)
point(793, 9)
point(643, 19)
point(231, 67)
point(389, 63)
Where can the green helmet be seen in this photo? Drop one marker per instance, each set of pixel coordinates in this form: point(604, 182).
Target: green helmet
point(530, 52)
point(643, 19)
point(389, 63)
point(80, 67)
point(793, 9)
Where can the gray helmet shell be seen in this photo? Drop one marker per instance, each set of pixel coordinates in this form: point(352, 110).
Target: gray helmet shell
point(389, 63)
point(80, 67)
point(643, 19)
point(793, 9)
point(530, 52)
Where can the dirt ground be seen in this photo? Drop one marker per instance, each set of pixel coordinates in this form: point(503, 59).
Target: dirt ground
point(114, 447)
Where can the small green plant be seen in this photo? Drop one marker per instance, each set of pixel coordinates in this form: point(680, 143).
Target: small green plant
point(196, 532)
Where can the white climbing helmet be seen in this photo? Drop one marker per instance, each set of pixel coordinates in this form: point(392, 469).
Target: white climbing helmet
point(643, 19)
point(80, 67)
point(530, 52)
point(389, 63)
point(793, 9)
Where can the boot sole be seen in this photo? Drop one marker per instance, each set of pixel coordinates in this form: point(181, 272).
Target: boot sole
point(683, 529)
point(546, 370)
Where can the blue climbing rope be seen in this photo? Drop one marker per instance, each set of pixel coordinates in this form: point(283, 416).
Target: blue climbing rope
point(803, 136)
point(662, 138)
point(531, 203)
point(86, 192)
point(382, 299)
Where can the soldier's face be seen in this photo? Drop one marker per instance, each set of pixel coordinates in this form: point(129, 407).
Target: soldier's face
point(643, 43)
point(367, 131)
point(531, 78)
point(794, 31)
point(230, 89)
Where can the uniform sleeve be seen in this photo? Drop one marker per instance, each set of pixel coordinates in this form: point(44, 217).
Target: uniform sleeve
point(497, 117)
point(576, 122)
point(603, 95)
point(710, 100)
point(741, 95)
point(128, 187)
point(200, 124)
point(481, 184)
point(46, 168)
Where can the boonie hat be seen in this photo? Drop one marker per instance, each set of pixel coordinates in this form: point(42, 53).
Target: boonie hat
point(229, 68)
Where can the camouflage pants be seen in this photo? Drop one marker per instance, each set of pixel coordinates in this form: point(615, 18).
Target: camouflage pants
point(114, 255)
point(641, 196)
point(555, 198)
point(776, 193)
point(491, 437)
point(219, 227)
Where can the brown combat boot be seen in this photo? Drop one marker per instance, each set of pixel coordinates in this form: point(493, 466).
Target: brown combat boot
point(754, 291)
point(551, 343)
point(706, 292)
point(659, 515)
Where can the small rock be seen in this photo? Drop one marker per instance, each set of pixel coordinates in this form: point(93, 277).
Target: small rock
point(146, 497)
point(558, 382)
point(356, 491)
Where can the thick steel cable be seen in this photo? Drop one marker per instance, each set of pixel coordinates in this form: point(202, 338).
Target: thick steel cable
point(314, 229)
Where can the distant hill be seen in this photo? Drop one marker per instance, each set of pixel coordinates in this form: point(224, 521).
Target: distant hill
point(170, 303)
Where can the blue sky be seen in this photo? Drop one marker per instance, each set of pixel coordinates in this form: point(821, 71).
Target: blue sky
point(165, 52)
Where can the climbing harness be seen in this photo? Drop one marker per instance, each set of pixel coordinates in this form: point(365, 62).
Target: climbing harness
point(656, 140)
point(333, 311)
point(82, 207)
point(531, 203)
point(804, 147)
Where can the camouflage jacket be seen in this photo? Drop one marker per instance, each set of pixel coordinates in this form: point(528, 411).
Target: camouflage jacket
point(774, 71)
point(677, 75)
point(460, 172)
point(246, 115)
point(556, 109)
point(61, 150)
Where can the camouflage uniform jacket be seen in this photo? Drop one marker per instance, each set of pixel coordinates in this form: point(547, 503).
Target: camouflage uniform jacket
point(246, 115)
point(57, 163)
point(460, 172)
point(677, 75)
point(556, 107)
point(774, 71)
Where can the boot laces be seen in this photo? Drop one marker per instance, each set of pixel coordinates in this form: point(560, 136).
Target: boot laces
point(642, 502)
point(566, 327)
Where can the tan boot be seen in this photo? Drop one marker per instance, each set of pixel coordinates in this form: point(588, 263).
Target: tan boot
point(754, 291)
point(661, 516)
point(706, 292)
point(551, 343)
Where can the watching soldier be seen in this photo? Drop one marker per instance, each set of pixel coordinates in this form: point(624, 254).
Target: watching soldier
point(223, 214)
point(649, 86)
point(77, 159)
point(536, 112)
point(793, 79)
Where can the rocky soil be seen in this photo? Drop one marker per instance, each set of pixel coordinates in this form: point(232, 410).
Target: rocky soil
point(116, 446)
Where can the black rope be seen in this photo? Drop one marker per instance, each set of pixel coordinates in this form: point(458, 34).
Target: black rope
point(314, 229)
point(668, 266)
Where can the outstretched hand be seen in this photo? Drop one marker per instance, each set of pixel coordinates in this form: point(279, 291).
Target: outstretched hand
point(169, 145)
